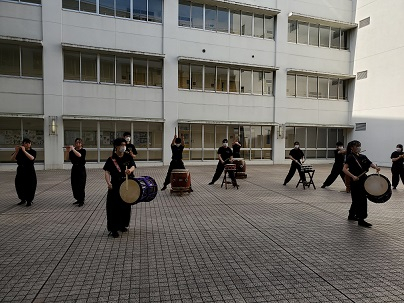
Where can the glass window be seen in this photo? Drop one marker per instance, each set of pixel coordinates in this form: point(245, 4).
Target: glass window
point(257, 82)
point(184, 13)
point(71, 4)
point(88, 67)
point(123, 74)
point(302, 32)
point(155, 135)
point(196, 141)
point(107, 7)
point(289, 139)
point(155, 11)
point(259, 26)
point(31, 62)
point(313, 34)
point(300, 136)
point(210, 18)
point(183, 76)
point(312, 85)
point(196, 77)
point(335, 38)
point(32, 1)
point(107, 134)
point(140, 10)
point(71, 132)
point(221, 81)
point(269, 27)
point(322, 138)
point(333, 88)
point(332, 137)
point(267, 137)
point(88, 6)
point(291, 86)
point(344, 39)
point(324, 36)
point(89, 136)
point(235, 22)
point(222, 20)
point(9, 60)
point(246, 24)
point(301, 83)
point(246, 81)
point(121, 127)
point(107, 69)
point(234, 81)
point(209, 142)
point(323, 88)
point(256, 137)
point(292, 31)
point(342, 89)
point(139, 71)
point(123, 8)
point(268, 84)
point(71, 65)
point(210, 76)
point(197, 15)
point(311, 137)
point(10, 134)
point(221, 133)
point(155, 73)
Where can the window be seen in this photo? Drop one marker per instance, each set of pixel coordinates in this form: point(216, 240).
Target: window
point(302, 32)
point(235, 22)
point(140, 10)
point(268, 84)
point(312, 86)
point(344, 39)
point(123, 74)
point(221, 82)
point(122, 8)
point(257, 82)
point(9, 60)
point(323, 88)
point(222, 20)
point(155, 12)
point(292, 31)
point(71, 4)
point(22, 61)
point(107, 69)
point(335, 38)
point(72, 65)
point(259, 26)
point(234, 81)
point(342, 90)
point(313, 34)
point(88, 6)
point(183, 76)
point(155, 73)
point(139, 71)
point(246, 24)
point(107, 7)
point(197, 15)
point(196, 77)
point(210, 17)
point(301, 84)
point(246, 81)
point(184, 13)
point(269, 27)
point(89, 67)
point(31, 62)
point(324, 36)
point(291, 86)
point(333, 89)
point(210, 76)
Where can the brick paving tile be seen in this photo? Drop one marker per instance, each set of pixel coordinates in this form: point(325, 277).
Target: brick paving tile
point(264, 242)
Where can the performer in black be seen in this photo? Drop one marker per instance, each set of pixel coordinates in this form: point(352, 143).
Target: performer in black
point(356, 167)
point(130, 148)
point(347, 178)
point(25, 180)
point(236, 147)
point(77, 155)
point(297, 157)
point(116, 168)
point(339, 154)
point(397, 169)
point(225, 156)
point(177, 147)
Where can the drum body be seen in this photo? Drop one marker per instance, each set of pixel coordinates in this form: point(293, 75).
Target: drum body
point(240, 168)
point(142, 189)
point(230, 167)
point(151, 188)
point(378, 188)
point(180, 179)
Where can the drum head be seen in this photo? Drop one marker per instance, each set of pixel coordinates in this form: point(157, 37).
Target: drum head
point(130, 191)
point(376, 185)
point(178, 170)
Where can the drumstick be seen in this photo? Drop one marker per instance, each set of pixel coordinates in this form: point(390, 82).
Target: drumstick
point(175, 131)
point(127, 188)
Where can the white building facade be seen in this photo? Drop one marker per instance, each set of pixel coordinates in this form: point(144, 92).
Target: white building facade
point(270, 72)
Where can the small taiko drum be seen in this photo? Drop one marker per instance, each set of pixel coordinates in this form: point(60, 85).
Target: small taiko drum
point(378, 188)
point(231, 167)
point(180, 179)
point(135, 190)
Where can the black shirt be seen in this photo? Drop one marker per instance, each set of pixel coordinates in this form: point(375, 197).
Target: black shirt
point(22, 159)
point(339, 158)
point(236, 148)
point(357, 164)
point(131, 147)
point(399, 163)
point(177, 152)
point(225, 152)
point(297, 154)
point(81, 161)
point(125, 160)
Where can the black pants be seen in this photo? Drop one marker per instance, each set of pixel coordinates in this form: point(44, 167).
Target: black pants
point(174, 164)
point(359, 206)
point(78, 182)
point(25, 183)
point(335, 171)
point(118, 212)
point(219, 170)
point(396, 175)
point(293, 167)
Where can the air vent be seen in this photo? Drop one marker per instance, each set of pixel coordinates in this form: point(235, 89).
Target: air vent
point(362, 75)
point(360, 126)
point(364, 22)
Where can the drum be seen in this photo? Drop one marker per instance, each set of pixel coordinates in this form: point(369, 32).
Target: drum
point(378, 188)
point(240, 164)
point(134, 190)
point(230, 167)
point(180, 179)
point(306, 168)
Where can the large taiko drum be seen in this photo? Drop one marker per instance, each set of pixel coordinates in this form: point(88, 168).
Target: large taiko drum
point(135, 190)
point(240, 168)
point(180, 179)
point(378, 188)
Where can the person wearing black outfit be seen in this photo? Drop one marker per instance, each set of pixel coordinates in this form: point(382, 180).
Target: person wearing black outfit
point(130, 148)
point(339, 154)
point(77, 155)
point(177, 147)
point(297, 157)
point(236, 148)
point(25, 180)
point(116, 168)
point(397, 169)
point(356, 167)
point(225, 156)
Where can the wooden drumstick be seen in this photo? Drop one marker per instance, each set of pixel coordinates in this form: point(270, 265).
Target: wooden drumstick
point(127, 185)
point(175, 131)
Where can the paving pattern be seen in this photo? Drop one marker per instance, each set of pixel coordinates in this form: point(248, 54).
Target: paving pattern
point(262, 243)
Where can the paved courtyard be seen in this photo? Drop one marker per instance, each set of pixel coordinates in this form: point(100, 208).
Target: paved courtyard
point(262, 243)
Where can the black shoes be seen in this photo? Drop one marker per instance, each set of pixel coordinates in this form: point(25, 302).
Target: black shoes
point(394, 187)
point(77, 202)
point(80, 204)
point(124, 229)
point(364, 223)
point(29, 204)
point(352, 218)
point(211, 183)
point(21, 202)
point(115, 234)
point(191, 190)
point(164, 187)
point(284, 183)
point(323, 186)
